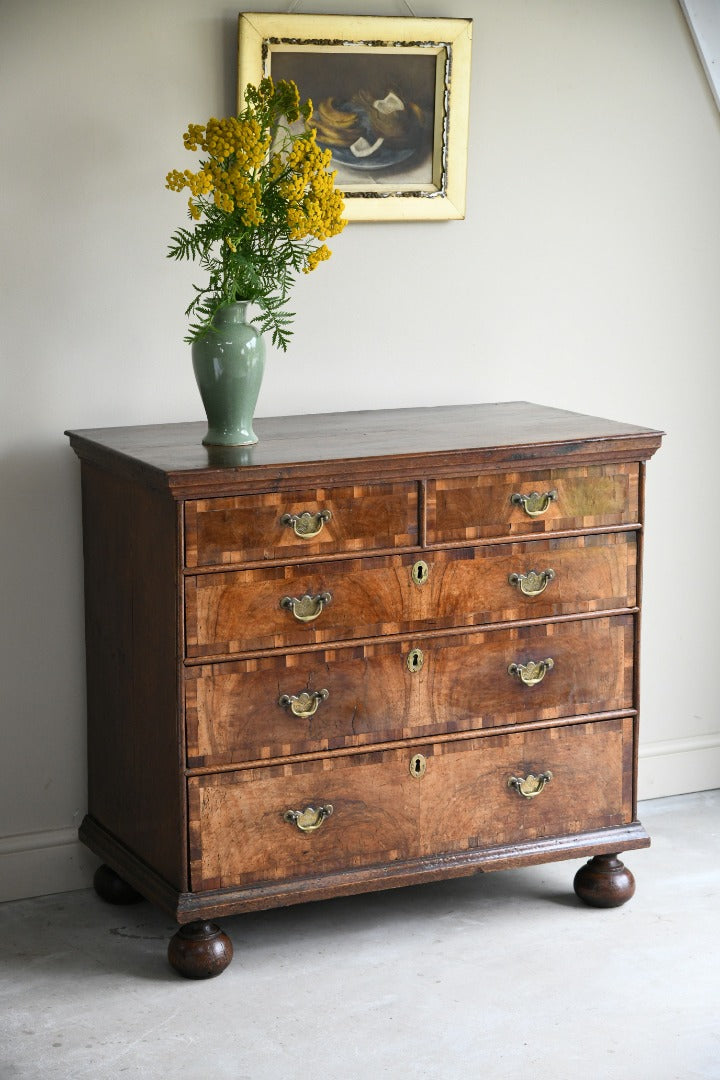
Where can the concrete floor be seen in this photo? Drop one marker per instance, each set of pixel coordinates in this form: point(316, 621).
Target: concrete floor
point(498, 976)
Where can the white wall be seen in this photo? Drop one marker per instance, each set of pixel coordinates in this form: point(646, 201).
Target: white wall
point(586, 275)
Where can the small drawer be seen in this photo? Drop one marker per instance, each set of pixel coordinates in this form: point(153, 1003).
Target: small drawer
point(382, 807)
point(280, 607)
point(556, 500)
point(289, 525)
point(308, 702)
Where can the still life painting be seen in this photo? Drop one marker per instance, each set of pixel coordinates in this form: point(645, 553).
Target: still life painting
point(374, 113)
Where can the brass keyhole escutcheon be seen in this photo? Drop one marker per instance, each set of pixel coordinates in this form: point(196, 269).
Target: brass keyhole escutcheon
point(420, 572)
point(415, 660)
point(418, 765)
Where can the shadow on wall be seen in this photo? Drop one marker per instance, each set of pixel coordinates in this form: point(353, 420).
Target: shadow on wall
point(42, 681)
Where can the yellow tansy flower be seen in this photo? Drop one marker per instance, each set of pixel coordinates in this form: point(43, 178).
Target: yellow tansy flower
point(262, 202)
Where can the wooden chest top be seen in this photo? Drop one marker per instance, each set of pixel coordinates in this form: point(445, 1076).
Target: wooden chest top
point(390, 443)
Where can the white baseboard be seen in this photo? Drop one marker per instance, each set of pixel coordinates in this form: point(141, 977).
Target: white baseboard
point(37, 864)
point(679, 766)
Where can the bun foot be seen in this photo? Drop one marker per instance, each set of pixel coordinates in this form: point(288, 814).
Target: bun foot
point(200, 950)
point(112, 888)
point(604, 882)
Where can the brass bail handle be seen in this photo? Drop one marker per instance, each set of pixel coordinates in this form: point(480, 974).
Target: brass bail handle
point(307, 524)
point(534, 503)
point(532, 583)
point(533, 672)
point(305, 704)
point(529, 786)
point(309, 819)
point(306, 608)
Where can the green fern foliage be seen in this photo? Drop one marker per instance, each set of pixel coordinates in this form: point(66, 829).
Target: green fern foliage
point(261, 206)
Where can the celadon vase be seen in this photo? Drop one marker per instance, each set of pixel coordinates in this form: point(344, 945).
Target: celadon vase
point(229, 363)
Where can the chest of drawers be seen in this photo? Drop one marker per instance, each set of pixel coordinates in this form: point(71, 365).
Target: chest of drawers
point(373, 650)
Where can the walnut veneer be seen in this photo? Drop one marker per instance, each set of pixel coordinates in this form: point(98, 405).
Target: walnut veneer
point(375, 649)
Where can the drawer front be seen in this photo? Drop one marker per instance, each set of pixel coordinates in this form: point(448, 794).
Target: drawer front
point(288, 525)
point(475, 507)
point(381, 813)
point(308, 702)
point(242, 611)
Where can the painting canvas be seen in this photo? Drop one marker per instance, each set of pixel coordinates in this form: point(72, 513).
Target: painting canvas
point(376, 113)
point(390, 103)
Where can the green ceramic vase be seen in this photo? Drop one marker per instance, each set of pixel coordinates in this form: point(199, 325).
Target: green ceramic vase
point(229, 363)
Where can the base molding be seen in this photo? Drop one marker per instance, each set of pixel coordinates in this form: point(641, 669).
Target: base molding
point(188, 907)
point(679, 766)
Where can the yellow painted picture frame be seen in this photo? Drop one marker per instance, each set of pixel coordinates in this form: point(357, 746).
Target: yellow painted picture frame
point(391, 101)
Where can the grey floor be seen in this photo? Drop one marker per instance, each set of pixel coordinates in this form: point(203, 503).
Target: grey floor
point(497, 976)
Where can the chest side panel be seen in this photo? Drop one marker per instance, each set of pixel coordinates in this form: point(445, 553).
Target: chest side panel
point(135, 782)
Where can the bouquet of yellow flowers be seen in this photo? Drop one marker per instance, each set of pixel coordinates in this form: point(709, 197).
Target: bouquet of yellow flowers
point(262, 205)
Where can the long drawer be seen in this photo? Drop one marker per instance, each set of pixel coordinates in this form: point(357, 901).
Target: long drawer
point(384, 806)
point(556, 500)
point(248, 610)
point(331, 698)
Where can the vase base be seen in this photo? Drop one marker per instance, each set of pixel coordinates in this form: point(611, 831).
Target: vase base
point(212, 439)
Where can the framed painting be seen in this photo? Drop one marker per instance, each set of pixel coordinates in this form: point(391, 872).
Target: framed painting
point(391, 102)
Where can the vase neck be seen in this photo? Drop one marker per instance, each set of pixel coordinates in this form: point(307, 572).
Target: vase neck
point(236, 312)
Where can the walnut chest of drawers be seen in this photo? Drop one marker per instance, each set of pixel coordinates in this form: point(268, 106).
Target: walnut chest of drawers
point(375, 649)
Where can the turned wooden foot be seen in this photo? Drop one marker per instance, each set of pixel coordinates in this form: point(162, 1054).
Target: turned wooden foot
point(112, 888)
point(200, 950)
point(604, 882)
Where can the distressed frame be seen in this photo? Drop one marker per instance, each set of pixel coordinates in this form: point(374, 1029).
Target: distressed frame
point(439, 196)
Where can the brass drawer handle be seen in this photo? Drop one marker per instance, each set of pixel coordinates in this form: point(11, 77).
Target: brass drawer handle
point(307, 524)
point(532, 583)
point(536, 503)
point(533, 672)
point(530, 786)
point(309, 819)
point(306, 608)
point(303, 705)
